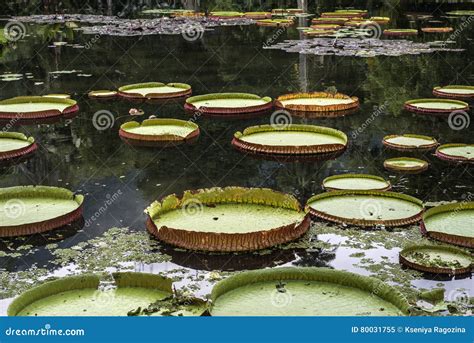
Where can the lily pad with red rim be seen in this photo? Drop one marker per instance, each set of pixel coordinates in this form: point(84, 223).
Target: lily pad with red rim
point(26, 210)
point(451, 223)
point(356, 182)
point(436, 106)
point(366, 208)
point(159, 132)
point(36, 108)
point(456, 152)
point(291, 141)
point(305, 292)
point(227, 219)
point(14, 145)
point(323, 102)
point(102, 94)
point(225, 104)
point(455, 91)
point(275, 22)
point(410, 142)
point(154, 90)
point(407, 165)
point(400, 32)
point(437, 259)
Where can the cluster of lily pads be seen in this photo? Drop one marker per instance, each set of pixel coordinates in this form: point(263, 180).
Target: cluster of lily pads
point(271, 218)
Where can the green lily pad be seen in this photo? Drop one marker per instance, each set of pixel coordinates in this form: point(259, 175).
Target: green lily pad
point(406, 164)
point(356, 182)
point(410, 142)
point(32, 209)
point(227, 219)
point(452, 223)
point(159, 130)
point(400, 32)
point(102, 94)
point(151, 90)
point(463, 153)
point(81, 296)
point(305, 292)
point(437, 259)
point(35, 104)
point(435, 105)
point(290, 140)
point(11, 141)
point(461, 13)
point(366, 208)
point(228, 103)
point(460, 91)
point(317, 102)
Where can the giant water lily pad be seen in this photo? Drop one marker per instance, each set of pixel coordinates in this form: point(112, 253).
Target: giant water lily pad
point(452, 223)
point(159, 131)
point(356, 182)
point(227, 219)
point(15, 145)
point(154, 90)
point(305, 292)
point(437, 29)
point(435, 106)
point(437, 259)
point(400, 32)
point(408, 142)
point(36, 107)
point(275, 22)
point(407, 165)
point(330, 20)
point(26, 210)
point(460, 153)
point(102, 94)
point(366, 208)
point(291, 140)
point(461, 13)
point(81, 296)
point(228, 103)
point(317, 102)
point(258, 15)
point(455, 91)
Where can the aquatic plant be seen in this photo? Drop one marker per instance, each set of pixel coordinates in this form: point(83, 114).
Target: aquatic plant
point(366, 208)
point(34, 209)
point(212, 219)
point(305, 292)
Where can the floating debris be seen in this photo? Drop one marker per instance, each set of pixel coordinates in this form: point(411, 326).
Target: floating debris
point(358, 47)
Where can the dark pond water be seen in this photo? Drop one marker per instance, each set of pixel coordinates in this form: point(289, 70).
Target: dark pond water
point(96, 163)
